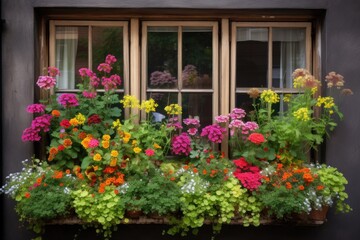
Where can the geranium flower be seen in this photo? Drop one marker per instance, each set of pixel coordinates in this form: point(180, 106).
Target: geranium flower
point(256, 138)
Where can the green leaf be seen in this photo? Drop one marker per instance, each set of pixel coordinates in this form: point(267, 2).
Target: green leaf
point(86, 162)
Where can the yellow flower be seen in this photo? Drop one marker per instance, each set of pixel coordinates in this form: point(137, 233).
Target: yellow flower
point(85, 142)
point(74, 122)
point(302, 114)
point(149, 105)
point(287, 97)
point(106, 137)
point(127, 135)
point(134, 142)
point(137, 149)
point(116, 124)
point(97, 157)
point(269, 96)
point(157, 146)
point(173, 109)
point(130, 101)
point(328, 102)
point(113, 162)
point(105, 144)
point(114, 153)
point(80, 118)
point(126, 140)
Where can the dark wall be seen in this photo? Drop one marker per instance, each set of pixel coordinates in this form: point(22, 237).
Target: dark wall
point(340, 52)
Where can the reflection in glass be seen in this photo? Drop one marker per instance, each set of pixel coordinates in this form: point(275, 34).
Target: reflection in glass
point(288, 54)
point(198, 105)
point(163, 99)
point(71, 53)
point(245, 102)
point(108, 40)
point(197, 57)
point(162, 57)
point(251, 57)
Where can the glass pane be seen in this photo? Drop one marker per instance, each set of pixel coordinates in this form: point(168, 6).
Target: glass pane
point(245, 102)
point(71, 54)
point(288, 54)
point(251, 57)
point(198, 104)
point(197, 57)
point(108, 40)
point(162, 99)
point(162, 57)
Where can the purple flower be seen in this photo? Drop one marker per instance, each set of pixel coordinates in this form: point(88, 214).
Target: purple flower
point(46, 82)
point(249, 126)
point(213, 132)
point(30, 134)
point(110, 59)
point(35, 108)
point(181, 145)
point(42, 123)
point(68, 100)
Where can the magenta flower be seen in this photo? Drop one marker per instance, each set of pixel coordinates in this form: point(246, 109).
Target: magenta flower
point(149, 152)
point(110, 59)
point(104, 67)
point(94, 81)
point(89, 95)
point(248, 174)
point(249, 127)
point(41, 123)
point(35, 108)
point(53, 71)
point(181, 145)
point(30, 134)
point(214, 133)
point(93, 143)
point(192, 131)
point(192, 121)
point(68, 100)
point(46, 82)
point(85, 72)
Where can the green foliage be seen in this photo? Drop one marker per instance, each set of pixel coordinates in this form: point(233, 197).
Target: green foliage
point(334, 183)
point(106, 209)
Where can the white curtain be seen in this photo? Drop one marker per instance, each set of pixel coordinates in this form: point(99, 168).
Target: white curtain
point(65, 56)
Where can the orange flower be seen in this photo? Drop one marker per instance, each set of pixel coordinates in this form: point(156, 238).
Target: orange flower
point(226, 171)
point(301, 187)
point(55, 113)
point(320, 187)
point(288, 185)
point(286, 175)
point(67, 142)
point(82, 135)
point(308, 177)
point(113, 162)
point(39, 180)
point(45, 185)
point(186, 167)
point(27, 195)
point(68, 171)
point(75, 130)
point(172, 179)
point(204, 172)
point(195, 170)
point(116, 191)
point(279, 166)
point(61, 184)
point(53, 151)
point(58, 174)
point(80, 176)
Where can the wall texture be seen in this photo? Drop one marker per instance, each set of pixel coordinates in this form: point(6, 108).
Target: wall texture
point(340, 53)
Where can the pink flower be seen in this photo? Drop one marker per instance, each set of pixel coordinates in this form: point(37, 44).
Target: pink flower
point(192, 121)
point(249, 126)
point(93, 143)
point(89, 95)
point(110, 59)
point(94, 81)
point(85, 72)
point(53, 71)
point(68, 100)
point(104, 67)
point(192, 131)
point(35, 108)
point(149, 152)
point(46, 82)
point(181, 145)
point(213, 132)
point(158, 78)
point(30, 134)
point(237, 113)
point(222, 119)
point(241, 163)
point(256, 138)
point(42, 123)
point(249, 180)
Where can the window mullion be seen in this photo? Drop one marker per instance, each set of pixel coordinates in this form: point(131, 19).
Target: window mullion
point(180, 47)
point(90, 47)
point(270, 58)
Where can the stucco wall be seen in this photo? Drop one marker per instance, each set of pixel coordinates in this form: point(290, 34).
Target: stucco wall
point(340, 53)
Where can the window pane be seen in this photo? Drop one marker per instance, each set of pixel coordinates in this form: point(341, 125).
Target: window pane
point(108, 40)
point(288, 54)
point(245, 102)
point(198, 104)
point(251, 57)
point(71, 54)
point(163, 99)
point(197, 57)
point(162, 57)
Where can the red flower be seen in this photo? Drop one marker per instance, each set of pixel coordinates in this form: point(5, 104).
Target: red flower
point(65, 123)
point(256, 138)
point(94, 119)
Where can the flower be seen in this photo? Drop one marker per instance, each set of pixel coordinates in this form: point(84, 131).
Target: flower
point(214, 133)
point(181, 144)
point(68, 100)
point(36, 108)
point(46, 82)
point(256, 138)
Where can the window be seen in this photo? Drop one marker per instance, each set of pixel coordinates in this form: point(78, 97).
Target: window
point(179, 65)
point(265, 56)
point(205, 66)
point(77, 44)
